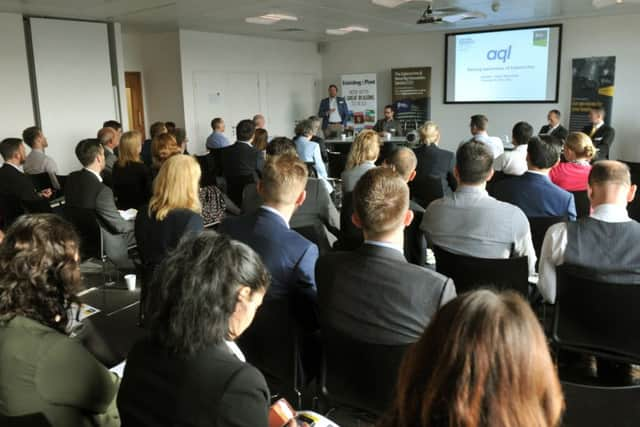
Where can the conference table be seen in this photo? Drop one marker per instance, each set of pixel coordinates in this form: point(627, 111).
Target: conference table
point(337, 142)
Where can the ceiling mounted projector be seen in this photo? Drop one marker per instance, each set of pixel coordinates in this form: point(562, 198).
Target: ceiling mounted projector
point(599, 4)
point(450, 15)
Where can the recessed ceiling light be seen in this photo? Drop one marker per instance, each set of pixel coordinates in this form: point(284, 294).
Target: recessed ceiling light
point(346, 30)
point(270, 18)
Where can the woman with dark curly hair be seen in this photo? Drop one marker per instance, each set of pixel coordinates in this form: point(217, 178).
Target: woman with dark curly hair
point(41, 369)
point(189, 371)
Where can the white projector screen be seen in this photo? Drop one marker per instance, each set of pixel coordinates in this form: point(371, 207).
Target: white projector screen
point(503, 66)
point(73, 79)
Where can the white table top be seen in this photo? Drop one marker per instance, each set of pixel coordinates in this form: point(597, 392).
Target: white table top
point(349, 140)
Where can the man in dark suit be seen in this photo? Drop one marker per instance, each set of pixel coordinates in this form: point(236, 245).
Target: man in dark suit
point(600, 133)
point(373, 294)
point(534, 192)
point(404, 162)
point(85, 189)
point(334, 112)
point(554, 128)
point(15, 185)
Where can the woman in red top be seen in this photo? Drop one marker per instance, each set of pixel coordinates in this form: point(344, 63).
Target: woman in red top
point(574, 174)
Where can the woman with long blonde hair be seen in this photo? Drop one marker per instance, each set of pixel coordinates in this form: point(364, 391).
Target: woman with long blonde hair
point(131, 177)
point(362, 157)
point(173, 211)
point(573, 175)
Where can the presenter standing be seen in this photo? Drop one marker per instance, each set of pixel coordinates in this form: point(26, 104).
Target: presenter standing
point(333, 111)
point(600, 133)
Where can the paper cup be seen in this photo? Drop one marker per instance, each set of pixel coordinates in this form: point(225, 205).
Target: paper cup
point(388, 136)
point(343, 136)
point(131, 281)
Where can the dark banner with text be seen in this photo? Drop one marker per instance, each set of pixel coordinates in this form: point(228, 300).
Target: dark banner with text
point(592, 86)
point(411, 95)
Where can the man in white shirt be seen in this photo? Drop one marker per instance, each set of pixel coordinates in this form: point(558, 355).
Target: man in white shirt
point(334, 113)
point(603, 246)
point(515, 162)
point(37, 161)
point(478, 127)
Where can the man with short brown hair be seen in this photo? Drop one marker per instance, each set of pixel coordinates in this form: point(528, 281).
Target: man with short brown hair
point(373, 294)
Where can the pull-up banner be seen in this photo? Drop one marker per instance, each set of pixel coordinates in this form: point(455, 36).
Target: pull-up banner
point(411, 95)
point(360, 92)
point(592, 86)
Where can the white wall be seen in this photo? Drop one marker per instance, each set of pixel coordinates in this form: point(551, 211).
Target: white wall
point(582, 37)
point(157, 57)
point(16, 109)
point(222, 56)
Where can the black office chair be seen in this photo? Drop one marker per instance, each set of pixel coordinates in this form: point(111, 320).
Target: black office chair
point(583, 204)
point(86, 224)
point(311, 166)
point(589, 405)
point(359, 375)
point(10, 210)
point(208, 167)
point(30, 420)
point(272, 344)
point(62, 180)
point(235, 186)
point(539, 227)
point(498, 176)
point(350, 237)
point(337, 163)
point(315, 233)
point(426, 189)
point(597, 318)
point(469, 273)
point(634, 206)
point(41, 181)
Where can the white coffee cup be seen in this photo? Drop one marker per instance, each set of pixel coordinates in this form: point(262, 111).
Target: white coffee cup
point(387, 136)
point(131, 281)
point(343, 136)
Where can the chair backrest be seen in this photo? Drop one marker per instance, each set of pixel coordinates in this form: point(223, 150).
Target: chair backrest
point(10, 210)
point(235, 186)
point(583, 204)
point(41, 181)
point(208, 167)
point(311, 166)
point(315, 233)
point(350, 237)
point(86, 224)
point(337, 163)
point(497, 177)
point(589, 405)
point(634, 206)
point(469, 273)
point(62, 180)
point(539, 227)
point(271, 345)
point(426, 189)
point(358, 374)
point(596, 317)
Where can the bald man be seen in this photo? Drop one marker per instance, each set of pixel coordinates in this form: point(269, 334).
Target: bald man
point(259, 121)
point(603, 246)
point(404, 161)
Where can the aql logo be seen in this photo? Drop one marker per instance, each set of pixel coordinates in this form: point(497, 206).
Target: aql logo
point(499, 55)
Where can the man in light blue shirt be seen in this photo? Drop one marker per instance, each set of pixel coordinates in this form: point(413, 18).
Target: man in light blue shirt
point(478, 127)
point(217, 139)
point(309, 152)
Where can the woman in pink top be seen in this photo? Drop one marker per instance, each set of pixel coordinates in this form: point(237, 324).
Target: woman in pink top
point(574, 174)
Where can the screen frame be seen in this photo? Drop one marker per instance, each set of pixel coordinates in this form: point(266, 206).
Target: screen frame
point(528, 27)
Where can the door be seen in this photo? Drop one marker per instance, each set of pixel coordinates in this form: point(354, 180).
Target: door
point(135, 105)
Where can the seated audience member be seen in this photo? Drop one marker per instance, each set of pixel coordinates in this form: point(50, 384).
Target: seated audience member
point(515, 162)
point(600, 133)
point(37, 161)
point(43, 370)
point(131, 177)
point(373, 294)
point(171, 127)
point(242, 158)
point(173, 211)
point(290, 258)
point(472, 223)
point(364, 152)
point(404, 162)
point(309, 152)
point(602, 246)
point(478, 126)
point(84, 189)
point(573, 175)
point(316, 123)
point(260, 140)
point(110, 139)
point(217, 139)
point(113, 124)
point(483, 361)
point(163, 147)
point(433, 161)
point(189, 370)
point(388, 124)
point(181, 139)
point(553, 126)
point(534, 192)
point(14, 183)
point(317, 208)
point(259, 121)
point(156, 129)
